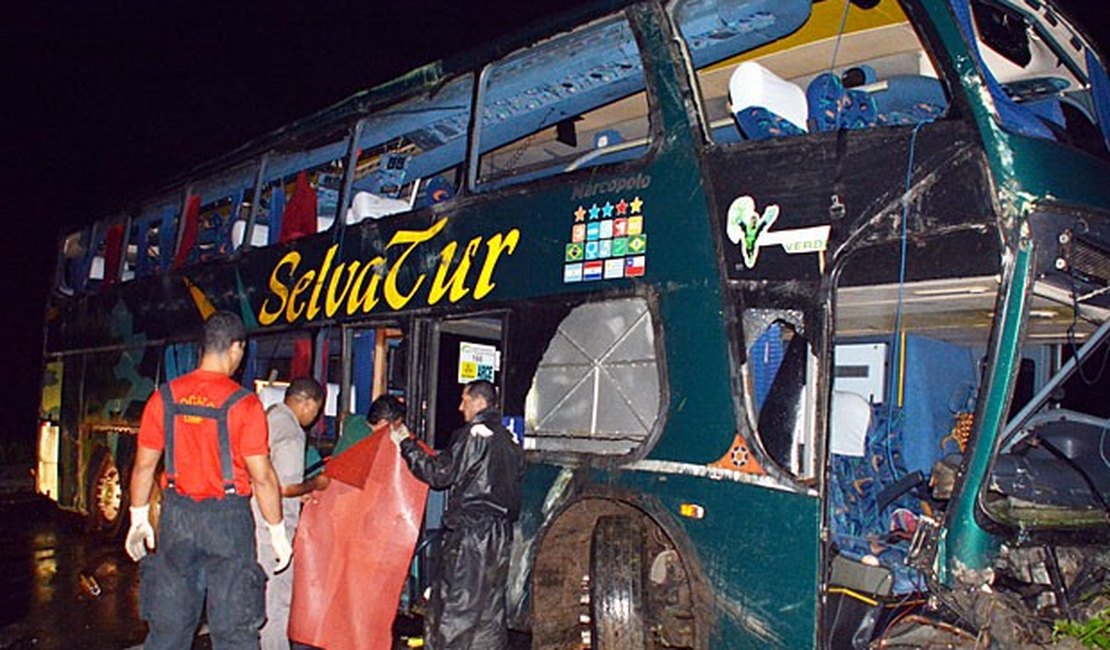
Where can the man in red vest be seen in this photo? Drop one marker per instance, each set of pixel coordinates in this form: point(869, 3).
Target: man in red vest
point(212, 434)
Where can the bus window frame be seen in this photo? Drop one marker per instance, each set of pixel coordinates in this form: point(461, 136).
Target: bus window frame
point(400, 323)
point(643, 448)
point(651, 96)
point(923, 29)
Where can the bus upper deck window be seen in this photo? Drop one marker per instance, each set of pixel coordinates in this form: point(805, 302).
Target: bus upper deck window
point(410, 153)
point(300, 191)
point(571, 102)
point(767, 70)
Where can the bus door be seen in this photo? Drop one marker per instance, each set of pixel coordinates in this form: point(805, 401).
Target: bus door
point(273, 361)
point(376, 363)
point(456, 352)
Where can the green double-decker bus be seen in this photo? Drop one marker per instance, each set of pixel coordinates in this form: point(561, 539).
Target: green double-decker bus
point(784, 300)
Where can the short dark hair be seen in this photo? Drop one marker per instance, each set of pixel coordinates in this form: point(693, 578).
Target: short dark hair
point(305, 388)
point(386, 407)
point(221, 330)
point(484, 389)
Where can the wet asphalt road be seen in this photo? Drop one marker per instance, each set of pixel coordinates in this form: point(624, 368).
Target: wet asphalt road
point(45, 604)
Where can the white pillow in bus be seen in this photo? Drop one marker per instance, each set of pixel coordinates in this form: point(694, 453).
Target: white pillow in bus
point(851, 417)
point(753, 85)
point(96, 268)
point(260, 234)
point(367, 205)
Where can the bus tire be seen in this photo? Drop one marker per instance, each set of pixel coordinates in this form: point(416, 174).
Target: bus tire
point(106, 499)
point(617, 611)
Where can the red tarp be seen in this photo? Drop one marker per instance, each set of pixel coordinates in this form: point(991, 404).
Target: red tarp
point(353, 549)
point(299, 218)
point(189, 226)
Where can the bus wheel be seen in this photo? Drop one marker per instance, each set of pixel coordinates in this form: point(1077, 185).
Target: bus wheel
point(616, 583)
point(106, 497)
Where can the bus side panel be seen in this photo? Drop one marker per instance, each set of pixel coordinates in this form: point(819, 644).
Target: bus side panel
point(758, 547)
point(69, 441)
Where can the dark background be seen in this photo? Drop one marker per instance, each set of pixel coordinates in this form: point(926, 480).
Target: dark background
point(102, 100)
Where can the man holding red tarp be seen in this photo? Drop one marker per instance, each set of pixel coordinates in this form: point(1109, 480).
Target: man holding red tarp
point(355, 542)
point(482, 471)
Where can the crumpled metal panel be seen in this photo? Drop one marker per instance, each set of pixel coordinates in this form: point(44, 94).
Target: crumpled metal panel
point(598, 379)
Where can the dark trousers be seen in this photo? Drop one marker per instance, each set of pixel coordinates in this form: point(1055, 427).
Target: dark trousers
point(468, 600)
point(205, 548)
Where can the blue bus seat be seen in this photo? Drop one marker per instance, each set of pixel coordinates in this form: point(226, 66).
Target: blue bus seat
point(873, 503)
point(909, 99)
point(832, 107)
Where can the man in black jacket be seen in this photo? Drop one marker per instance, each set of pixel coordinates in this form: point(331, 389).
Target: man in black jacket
point(482, 471)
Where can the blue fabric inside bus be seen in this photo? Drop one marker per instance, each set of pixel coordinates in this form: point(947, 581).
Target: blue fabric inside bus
point(1100, 92)
point(715, 31)
point(1014, 116)
point(939, 382)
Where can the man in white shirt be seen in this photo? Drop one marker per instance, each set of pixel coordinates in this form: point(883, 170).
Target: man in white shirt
point(287, 421)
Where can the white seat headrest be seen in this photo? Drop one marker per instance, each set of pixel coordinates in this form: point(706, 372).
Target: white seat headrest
point(752, 84)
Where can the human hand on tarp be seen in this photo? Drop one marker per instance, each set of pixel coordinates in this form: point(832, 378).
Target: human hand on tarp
point(398, 433)
point(280, 543)
point(140, 536)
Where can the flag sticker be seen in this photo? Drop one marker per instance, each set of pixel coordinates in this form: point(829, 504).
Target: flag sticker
point(608, 240)
point(634, 266)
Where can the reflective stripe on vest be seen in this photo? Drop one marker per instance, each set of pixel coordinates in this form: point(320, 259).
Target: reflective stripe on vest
point(171, 409)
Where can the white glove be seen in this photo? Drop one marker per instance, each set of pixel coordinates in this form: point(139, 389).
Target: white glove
point(140, 536)
point(280, 543)
point(398, 433)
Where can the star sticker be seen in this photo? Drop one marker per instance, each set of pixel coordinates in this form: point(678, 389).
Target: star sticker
point(607, 210)
point(579, 214)
point(594, 210)
point(636, 205)
point(622, 207)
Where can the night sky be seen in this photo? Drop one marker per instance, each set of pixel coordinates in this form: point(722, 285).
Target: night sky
point(105, 99)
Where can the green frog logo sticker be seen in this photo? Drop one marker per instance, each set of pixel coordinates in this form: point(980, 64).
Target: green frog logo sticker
point(746, 226)
point(750, 229)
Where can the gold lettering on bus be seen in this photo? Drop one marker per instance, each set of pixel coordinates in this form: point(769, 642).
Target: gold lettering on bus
point(457, 284)
point(295, 307)
point(333, 303)
point(496, 245)
point(359, 285)
point(268, 315)
point(393, 295)
point(314, 303)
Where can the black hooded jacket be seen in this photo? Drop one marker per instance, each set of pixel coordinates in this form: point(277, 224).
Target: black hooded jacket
point(481, 470)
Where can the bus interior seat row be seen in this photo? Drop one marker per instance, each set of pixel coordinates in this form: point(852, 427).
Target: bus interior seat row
point(878, 480)
point(766, 105)
point(899, 425)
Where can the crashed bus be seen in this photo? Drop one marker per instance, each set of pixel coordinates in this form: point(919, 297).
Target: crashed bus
point(780, 297)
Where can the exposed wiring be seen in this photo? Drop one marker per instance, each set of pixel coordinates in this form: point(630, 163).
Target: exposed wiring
point(1101, 443)
point(898, 342)
point(1090, 381)
point(835, 53)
